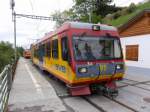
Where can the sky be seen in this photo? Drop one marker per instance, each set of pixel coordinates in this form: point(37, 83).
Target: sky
point(29, 30)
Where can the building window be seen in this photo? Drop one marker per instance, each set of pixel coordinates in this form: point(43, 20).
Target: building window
point(132, 52)
point(55, 49)
point(64, 48)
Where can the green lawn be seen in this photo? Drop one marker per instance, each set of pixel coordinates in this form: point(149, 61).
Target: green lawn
point(123, 19)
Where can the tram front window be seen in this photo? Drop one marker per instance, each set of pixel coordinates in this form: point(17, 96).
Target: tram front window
point(96, 48)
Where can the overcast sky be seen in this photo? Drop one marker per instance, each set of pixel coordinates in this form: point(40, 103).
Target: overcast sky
point(27, 29)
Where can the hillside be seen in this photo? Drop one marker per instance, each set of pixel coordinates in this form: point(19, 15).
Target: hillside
point(124, 18)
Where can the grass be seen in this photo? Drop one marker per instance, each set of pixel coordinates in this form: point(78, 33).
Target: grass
point(123, 19)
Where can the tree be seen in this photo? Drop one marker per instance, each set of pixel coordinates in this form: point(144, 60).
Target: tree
point(57, 16)
point(98, 7)
point(86, 11)
point(20, 51)
point(61, 17)
point(131, 8)
point(6, 54)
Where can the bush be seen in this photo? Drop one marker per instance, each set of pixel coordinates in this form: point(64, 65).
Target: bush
point(109, 17)
point(124, 11)
point(6, 54)
point(117, 14)
point(96, 19)
point(131, 8)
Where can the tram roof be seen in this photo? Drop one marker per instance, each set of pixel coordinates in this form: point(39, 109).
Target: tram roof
point(76, 25)
point(82, 25)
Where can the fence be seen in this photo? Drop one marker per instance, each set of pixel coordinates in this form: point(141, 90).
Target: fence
point(6, 78)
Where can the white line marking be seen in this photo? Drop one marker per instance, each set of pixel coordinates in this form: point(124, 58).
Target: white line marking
point(37, 86)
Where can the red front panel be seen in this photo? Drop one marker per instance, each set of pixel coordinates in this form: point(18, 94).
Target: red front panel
point(87, 32)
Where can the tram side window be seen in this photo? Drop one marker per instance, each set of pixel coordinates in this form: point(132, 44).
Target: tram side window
point(44, 49)
point(55, 49)
point(41, 52)
point(38, 52)
point(48, 49)
point(34, 52)
point(64, 48)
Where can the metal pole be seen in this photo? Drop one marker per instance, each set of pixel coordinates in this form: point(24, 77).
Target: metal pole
point(90, 17)
point(90, 14)
point(15, 35)
point(12, 5)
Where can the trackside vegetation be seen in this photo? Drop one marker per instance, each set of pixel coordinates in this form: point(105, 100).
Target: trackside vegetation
point(7, 54)
point(122, 16)
point(100, 11)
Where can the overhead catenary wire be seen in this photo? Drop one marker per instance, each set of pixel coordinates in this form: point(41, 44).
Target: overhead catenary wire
point(41, 17)
point(32, 16)
point(32, 8)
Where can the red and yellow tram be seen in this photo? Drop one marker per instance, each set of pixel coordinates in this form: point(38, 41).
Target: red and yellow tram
point(83, 55)
point(27, 53)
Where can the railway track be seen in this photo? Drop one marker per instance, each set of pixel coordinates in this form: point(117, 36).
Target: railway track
point(87, 99)
point(135, 84)
point(94, 104)
point(123, 104)
point(101, 109)
point(118, 102)
point(61, 92)
point(138, 82)
point(65, 95)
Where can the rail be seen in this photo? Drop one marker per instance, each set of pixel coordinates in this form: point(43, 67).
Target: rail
point(6, 78)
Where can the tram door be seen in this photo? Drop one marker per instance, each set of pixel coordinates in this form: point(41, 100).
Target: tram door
point(65, 55)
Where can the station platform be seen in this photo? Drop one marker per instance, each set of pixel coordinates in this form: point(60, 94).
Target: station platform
point(31, 92)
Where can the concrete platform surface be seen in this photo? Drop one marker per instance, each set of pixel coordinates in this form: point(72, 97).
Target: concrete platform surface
point(137, 73)
point(31, 92)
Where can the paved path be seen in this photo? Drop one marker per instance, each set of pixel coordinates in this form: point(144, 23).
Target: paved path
point(31, 92)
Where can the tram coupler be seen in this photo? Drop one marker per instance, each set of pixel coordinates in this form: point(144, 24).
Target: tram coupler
point(110, 89)
point(79, 90)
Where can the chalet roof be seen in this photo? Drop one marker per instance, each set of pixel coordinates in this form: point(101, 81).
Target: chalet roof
point(134, 20)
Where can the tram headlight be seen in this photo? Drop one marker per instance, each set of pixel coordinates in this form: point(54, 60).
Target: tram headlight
point(96, 27)
point(119, 66)
point(82, 70)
